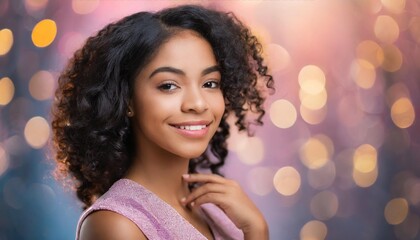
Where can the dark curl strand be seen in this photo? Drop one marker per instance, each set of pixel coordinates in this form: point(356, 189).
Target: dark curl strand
point(92, 133)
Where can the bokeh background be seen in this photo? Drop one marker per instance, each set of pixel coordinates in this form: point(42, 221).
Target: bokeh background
point(337, 158)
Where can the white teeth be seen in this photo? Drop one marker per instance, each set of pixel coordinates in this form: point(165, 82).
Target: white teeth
point(193, 127)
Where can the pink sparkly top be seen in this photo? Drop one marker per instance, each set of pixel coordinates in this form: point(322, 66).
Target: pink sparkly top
point(156, 218)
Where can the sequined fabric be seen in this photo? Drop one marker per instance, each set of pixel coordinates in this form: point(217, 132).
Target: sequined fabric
point(156, 218)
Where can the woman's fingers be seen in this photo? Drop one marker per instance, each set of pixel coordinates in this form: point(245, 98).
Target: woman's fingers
point(206, 189)
point(203, 178)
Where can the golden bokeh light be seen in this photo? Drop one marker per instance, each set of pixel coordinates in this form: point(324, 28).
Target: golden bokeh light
point(396, 210)
point(287, 181)
point(312, 79)
point(7, 90)
point(277, 57)
point(250, 150)
point(402, 113)
point(282, 113)
point(83, 6)
point(324, 205)
point(259, 180)
point(314, 153)
point(313, 117)
point(386, 29)
point(37, 132)
point(313, 101)
point(392, 58)
point(322, 177)
point(414, 27)
point(41, 85)
point(371, 52)
point(365, 179)
point(394, 6)
point(363, 73)
point(6, 41)
point(314, 230)
point(44, 33)
point(365, 158)
point(4, 161)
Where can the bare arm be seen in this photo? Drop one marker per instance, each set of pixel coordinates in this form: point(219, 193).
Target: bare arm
point(107, 225)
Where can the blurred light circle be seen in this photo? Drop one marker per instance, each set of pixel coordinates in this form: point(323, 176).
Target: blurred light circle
point(70, 42)
point(386, 29)
point(324, 205)
point(365, 179)
point(6, 41)
point(314, 153)
point(414, 27)
point(396, 210)
point(312, 79)
point(393, 58)
point(37, 132)
point(311, 116)
point(313, 230)
point(371, 52)
point(83, 6)
point(394, 6)
point(35, 5)
point(259, 180)
point(287, 181)
point(365, 158)
point(313, 101)
point(363, 73)
point(7, 91)
point(402, 113)
point(322, 177)
point(282, 113)
point(251, 150)
point(44, 33)
point(41, 85)
point(277, 57)
point(4, 160)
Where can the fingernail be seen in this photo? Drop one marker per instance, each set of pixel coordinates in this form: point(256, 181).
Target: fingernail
point(185, 176)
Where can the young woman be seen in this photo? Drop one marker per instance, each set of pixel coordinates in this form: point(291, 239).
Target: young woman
point(141, 107)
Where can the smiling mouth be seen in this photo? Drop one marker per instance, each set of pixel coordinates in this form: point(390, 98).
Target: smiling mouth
point(191, 127)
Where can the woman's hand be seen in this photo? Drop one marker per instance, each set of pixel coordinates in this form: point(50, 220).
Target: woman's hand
point(227, 195)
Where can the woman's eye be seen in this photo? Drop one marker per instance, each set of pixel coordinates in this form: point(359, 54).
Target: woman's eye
point(167, 86)
point(211, 84)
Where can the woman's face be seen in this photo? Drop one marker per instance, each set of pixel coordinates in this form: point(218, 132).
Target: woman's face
point(177, 101)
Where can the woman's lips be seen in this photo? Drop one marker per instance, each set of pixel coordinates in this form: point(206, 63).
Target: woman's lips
point(196, 129)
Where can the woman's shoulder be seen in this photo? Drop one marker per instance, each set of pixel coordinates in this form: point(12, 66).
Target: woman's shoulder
point(105, 225)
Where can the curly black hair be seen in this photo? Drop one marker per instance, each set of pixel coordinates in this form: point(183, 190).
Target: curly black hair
point(92, 136)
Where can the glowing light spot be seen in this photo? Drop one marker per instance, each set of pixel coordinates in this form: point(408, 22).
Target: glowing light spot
point(41, 85)
point(44, 33)
point(371, 52)
point(37, 132)
point(277, 57)
point(282, 113)
point(394, 6)
point(363, 179)
point(313, 117)
point(365, 158)
point(312, 79)
point(83, 6)
point(393, 58)
point(363, 73)
point(7, 90)
point(70, 42)
point(396, 211)
point(259, 180)
point(324, 205)
point(322, 177)
point(4, 161)
point(6, 41)
point(287, 181)
point(35, 5)
point(313, 101)
point(314, 230)
point(402, 113)
point(314, 153)
point(251, 150)
point(386, 29)
point(414, 27)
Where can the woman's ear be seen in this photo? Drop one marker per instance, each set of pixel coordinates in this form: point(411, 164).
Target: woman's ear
point(130, 112)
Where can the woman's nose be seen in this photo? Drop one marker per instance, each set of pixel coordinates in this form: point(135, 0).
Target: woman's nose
point(194, 101)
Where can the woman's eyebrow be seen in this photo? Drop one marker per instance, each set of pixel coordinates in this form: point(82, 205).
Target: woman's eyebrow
point(206, 71)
